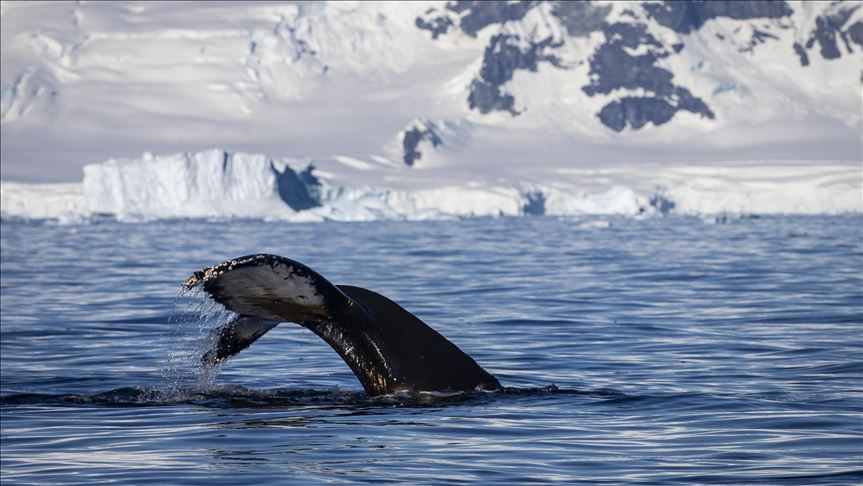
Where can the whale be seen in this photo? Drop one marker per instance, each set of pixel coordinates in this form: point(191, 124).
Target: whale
point(389, 349)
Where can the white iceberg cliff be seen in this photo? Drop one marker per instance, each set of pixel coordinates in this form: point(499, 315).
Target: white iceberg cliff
point(213, 183)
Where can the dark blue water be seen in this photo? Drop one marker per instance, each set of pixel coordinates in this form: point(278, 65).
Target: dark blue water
point(679, 352)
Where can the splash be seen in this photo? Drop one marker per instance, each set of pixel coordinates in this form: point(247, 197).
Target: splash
point(193, 318)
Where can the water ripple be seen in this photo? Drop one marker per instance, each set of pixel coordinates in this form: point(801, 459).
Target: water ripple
point(679, 353)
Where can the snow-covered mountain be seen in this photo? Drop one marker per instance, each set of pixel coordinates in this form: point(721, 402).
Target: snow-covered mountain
point(643, 61)
point(415, 97)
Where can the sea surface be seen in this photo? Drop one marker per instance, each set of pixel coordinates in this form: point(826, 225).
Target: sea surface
point(663, 350)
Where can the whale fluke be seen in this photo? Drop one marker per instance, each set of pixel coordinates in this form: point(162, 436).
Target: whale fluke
point(388, 348)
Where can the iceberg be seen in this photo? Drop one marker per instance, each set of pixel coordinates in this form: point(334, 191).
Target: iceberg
point(213, 183)
point(63, 202)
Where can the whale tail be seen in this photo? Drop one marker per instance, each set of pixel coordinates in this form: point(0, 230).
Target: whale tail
point(388, 348)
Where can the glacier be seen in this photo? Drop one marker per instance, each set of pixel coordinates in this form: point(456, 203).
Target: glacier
point(218, 183)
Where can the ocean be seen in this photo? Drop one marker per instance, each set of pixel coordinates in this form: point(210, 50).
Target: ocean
point(661, 350)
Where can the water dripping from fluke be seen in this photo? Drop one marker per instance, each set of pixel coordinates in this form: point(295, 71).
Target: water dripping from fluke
point(190, 336)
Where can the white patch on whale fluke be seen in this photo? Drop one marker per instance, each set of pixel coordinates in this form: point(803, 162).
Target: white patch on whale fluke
point(282, 283)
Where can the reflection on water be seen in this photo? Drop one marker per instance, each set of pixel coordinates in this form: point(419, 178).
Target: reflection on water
point(679, 352)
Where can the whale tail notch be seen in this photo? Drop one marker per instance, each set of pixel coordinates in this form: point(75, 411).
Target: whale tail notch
point(388, 348)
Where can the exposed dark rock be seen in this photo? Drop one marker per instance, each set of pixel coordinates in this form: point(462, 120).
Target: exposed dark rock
point(613, 68)
point(487, 97)
point(636, 112)
point(758, 37)
point(825, 35)
point(472, 16)
point(763, 36)
point(801, 53)
point(481, 14)
point(505, 53)
point(435, 25)
point(829, 25)
point(580, 18)
point(855, 32)
point(412, 138)
point(686, 101)
point(503, 56)
point(686, 16)
point(629, 35)
point(535, 204)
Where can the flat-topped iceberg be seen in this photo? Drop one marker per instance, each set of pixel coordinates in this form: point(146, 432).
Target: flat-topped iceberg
point(204, 184)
